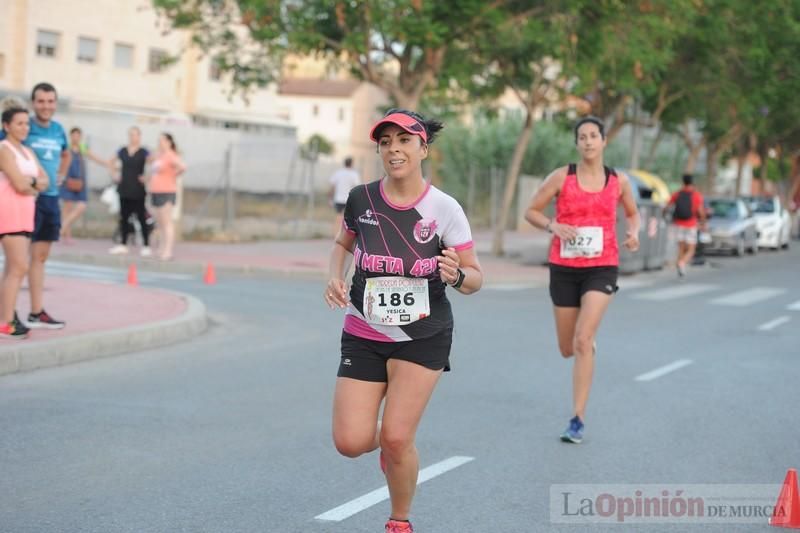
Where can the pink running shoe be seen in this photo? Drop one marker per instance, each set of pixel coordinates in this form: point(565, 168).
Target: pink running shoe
point(397, 526)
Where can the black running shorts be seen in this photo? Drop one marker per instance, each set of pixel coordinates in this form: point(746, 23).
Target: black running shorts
point(569, 284)
point(365, 359)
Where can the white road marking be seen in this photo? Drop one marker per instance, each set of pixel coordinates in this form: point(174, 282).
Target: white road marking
point(748, 296)
point(666, 369)
point(772, 324)
point(794, 307)
point(671, 293)
point(376, 496)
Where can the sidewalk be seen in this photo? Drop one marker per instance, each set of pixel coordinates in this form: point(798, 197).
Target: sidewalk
point(102, 320)
point(525, 253)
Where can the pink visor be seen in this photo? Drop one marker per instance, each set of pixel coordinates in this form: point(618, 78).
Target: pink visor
point(409, 124)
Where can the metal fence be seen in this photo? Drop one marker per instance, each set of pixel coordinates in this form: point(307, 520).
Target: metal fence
point(247, 162)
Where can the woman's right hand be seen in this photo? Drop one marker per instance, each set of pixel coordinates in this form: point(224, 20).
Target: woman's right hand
point(565, 232)
point(336, 293)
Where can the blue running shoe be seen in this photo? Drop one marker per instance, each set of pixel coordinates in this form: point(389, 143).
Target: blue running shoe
point(574, 433)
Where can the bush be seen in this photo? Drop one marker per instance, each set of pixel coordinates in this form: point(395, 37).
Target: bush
point(315, 145)
point(484, 150)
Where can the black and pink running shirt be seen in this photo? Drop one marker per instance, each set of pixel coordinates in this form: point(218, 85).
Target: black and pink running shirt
point(394, 240)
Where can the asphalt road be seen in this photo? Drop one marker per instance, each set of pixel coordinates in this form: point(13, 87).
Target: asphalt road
point(231, 432)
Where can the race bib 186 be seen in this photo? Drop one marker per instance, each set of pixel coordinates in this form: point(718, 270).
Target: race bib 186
point(587, 243)
point(395, 301)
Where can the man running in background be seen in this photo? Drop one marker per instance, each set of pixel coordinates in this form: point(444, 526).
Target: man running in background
point(688, 204)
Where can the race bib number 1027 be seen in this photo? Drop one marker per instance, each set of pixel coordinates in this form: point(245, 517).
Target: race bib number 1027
point(396, 301)
point(587, 243)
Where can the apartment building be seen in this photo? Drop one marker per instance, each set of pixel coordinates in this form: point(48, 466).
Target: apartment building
point(111, 55)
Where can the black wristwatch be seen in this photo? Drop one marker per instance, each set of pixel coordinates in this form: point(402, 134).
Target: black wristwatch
point(459, 280)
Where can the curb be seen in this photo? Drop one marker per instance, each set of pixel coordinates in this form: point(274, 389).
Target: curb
point(88, 346)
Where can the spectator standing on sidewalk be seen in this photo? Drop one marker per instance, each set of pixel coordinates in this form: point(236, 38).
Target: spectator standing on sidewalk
point(48, 140)
point(342, 182)
point(21, 179)
point(131, 161)
point(75, 187)
point(688, 210)
point(167, 165)
point(584, 253)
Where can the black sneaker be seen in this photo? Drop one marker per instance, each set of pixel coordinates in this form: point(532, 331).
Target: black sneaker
point(44, 321)
point(17, 323)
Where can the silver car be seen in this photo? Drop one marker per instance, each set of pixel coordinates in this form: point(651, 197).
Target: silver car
point(732, 226)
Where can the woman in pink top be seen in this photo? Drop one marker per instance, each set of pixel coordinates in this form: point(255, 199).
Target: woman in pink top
point(167, 166)
point(21, 178)
point(584, 253)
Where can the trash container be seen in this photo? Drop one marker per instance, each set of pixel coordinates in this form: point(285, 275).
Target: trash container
point(656, 228)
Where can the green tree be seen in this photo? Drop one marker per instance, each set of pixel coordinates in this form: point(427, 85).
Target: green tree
point(625, 58)
point(772, 64)
point(530, 42)
point(315, 145)
point(490, 142)
point(734, 65)
point(399, 45)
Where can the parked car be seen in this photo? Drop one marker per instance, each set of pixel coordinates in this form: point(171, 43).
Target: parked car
point(732, 226)
point(773, 221)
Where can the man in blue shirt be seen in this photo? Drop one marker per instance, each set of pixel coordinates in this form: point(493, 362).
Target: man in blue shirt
point(48, 141)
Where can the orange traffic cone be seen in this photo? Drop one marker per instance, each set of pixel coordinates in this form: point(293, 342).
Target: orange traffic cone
point(210, 277)
point(787, 510)
point(133, 279)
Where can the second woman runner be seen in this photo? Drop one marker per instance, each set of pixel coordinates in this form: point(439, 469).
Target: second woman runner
point(584, 254)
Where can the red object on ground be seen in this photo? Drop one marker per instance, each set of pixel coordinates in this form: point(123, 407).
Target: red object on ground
point(210, 277)
point(787, 509)
point(133, 279)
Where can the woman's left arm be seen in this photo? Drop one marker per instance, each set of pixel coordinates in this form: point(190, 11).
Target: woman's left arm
point(631, 214)
point(451, 261)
